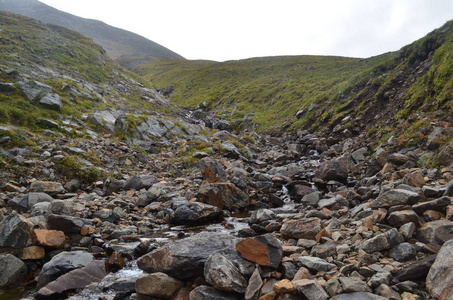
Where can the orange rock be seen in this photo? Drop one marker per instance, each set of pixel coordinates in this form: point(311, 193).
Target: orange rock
point(87, 230)
point(284, 286)
point(265, 250)
point(32, 253)
point(269, 296)
point(48, 238)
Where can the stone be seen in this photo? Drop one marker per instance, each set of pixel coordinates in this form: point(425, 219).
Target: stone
point(33, 253)
point(196, 213)
point(62, 263)
point(284, 286)
point(439, 281)
point(352, 285)
point(401, 217)
point(449, 190)
point(382, 277)
point(414, 179)
point(158, 285)
point(184, 259)
point(212, 171)
point(48, 238)
point(264, 250)
point(222, 274)
point(311, 289)
point(48, 187)
point(301, 229)
point(14, 271)
point(298, 191)
point(315, 263)
point(398, 159)
point(417, 270)
point(332, 170)
point(435, 232)
point(223, 195)
point(312, 198)
point(383, 241)
point(324, 250)
point(204, 292)
point(358, 296)
point(407, 230)
point(140, 182)
point(438, 204)
point(254, 286)
point(77, 279)
point(395, 197)
point(67, 224)
point(15, 231)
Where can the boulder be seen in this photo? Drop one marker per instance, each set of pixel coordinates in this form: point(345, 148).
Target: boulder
point(332, 170)
point(212, 171)
point(48, 238)
point(298, 191)
point(316, 264)
point(436, 204)
point(417, 270)
point(92, 272)
point(396, 197)
point(14, 271)
point(435, 232)
point(67, 224)
point(204, 292)
point(62, 263)
point(15, 231)
point(301, 229)
point(223, 195)
point(440, 276)
point(353, 284)
point(383, 241)
point(284, 286)
point(184, 259)
point(403, 252)
point(196, 213)
point(222, 274)
point(264, 250)
point(254, 286)
point(140, 182)
point(158, 285)
point(51, 101)
point(399, 218)
point(48, 187)
point(311, 289)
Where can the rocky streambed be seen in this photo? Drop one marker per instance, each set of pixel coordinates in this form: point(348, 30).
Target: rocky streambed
point(295, 218)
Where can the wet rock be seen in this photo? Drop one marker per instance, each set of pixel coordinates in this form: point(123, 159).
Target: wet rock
point(15, 231)
point(265, 250)
point(62, 263)
point(48, 238)
point(383, 241)
point(14, 271)
point(311, 289)
point(204, 292)
point(315, 263)
point(67, 224)
point(48, 187)
point(399, 218)
point(301, 229)
point(221, 273)
point(358, 296)
point(158, 285)
point(223, 195)
point(440, 277)
point(437, 204)
point(332, 170)
point(435, 232)
point(395, 197)
point(417, 270)
point(184, 259)
point(196, 213)
point(93, 271)
point(254, 286)
point(403, 252)
point(140, 182)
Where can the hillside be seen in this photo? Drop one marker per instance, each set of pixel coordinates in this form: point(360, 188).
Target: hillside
point(115, 41)
point(394, 93)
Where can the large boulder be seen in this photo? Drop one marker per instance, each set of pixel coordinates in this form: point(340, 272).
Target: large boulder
point(24, 202)
point(15, 231)
point(333, 170)
point(14, 271)
point(440, 276)
point(62, 263)
point(196, 213)
point(51, 101)
point(212, 170)
point(383, 241)
point(223, 195)
point(140, 182)
point(221, 273)
point(435, 232)
point(306, 228)
point(67, 224)
point(158, 285)
point(204, 292)
point(48, 187)
point(264, 250)
point(184, 259)
point(396, 197)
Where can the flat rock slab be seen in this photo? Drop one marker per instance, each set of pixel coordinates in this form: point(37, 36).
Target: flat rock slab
point(396, 197)
point(265, 250)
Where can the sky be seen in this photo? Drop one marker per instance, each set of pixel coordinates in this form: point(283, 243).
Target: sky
point(223, 30)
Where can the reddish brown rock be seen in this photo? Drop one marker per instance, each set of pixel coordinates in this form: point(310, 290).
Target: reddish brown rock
point(48, 238)
point(265, 250)
point(301, 229)
point(432, 215)
point(158, 285)
point(399, 218)
point(223, 195)
point(284, 286)
point(438, 204)
point(33, 253)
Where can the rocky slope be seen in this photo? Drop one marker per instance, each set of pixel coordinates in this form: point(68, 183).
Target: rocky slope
point(126, 197)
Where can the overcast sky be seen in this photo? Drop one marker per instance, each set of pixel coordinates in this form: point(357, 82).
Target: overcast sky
point(235, 29)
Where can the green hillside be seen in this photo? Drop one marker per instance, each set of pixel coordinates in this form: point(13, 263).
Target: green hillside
point(326, 91)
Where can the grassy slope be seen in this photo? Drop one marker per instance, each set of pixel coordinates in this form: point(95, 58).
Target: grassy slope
point(327, 89)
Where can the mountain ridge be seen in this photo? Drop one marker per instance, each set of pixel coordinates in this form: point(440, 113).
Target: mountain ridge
point(115, 41)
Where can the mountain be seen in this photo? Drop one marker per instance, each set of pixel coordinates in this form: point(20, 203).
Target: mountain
point(115, 41)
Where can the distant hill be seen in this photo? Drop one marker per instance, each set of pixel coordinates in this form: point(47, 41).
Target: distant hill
point(115, 41)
